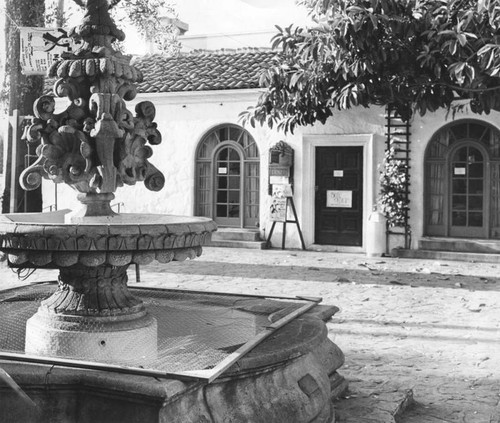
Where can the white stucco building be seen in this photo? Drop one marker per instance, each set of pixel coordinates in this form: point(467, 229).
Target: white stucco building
point(217, 168)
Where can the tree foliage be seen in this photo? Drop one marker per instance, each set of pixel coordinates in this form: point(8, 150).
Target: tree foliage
point(146, 16)
point(425, 54)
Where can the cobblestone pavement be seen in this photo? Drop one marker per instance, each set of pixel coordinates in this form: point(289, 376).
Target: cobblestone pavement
point(425, 328)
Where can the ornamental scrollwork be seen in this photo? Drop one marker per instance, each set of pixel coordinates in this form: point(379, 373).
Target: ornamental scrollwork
point(96, 144)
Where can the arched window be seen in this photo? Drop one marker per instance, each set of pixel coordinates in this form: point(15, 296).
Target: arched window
point(462, 181)
point(227, 177)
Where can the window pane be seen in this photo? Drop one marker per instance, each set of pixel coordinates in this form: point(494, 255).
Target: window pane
point(459, 186)
point(234, 134)
point(475, 186)
point(459, 218)
point(207, 147)
point(495, 194)
point(222, 181)
point(475, 156)
point(475, 202)
point(234, 182)
point(233, 154)
point(222, 196)
point(221, 210)
point(476, 170)
point(204, 183)
point(223, 154)
point(460, 155)
point(475, 219)
point(459, 202)
point(223, 134)
point(436, 193)
point(234, 210)
point(252, 197)
point(459, 131)
point(204, 210)
point(234, 197)
point(476, 130)
point(252, 150)
point(204, 169)
point(252, 169)
point(253, 211)
point(234, 168)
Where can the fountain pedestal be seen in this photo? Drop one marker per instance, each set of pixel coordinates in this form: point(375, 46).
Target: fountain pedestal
point(93, 316)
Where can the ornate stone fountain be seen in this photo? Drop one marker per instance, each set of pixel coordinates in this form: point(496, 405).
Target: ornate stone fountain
point(96, 145)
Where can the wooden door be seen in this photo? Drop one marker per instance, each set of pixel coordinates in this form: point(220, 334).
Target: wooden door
point(228, 177)
point(468, 203)
point(339, 196)
point(228, 166)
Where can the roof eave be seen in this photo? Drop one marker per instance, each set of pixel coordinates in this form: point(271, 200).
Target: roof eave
point(207, 96)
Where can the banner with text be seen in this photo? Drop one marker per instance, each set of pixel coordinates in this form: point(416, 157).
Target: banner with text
point(40, 47)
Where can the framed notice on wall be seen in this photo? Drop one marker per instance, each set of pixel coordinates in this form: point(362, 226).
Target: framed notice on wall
point(338, 198)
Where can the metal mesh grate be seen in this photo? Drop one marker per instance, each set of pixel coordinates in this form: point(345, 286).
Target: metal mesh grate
point(196, 331)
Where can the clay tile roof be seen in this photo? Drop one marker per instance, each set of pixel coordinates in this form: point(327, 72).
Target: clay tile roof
point(203, 70)
point(200, 70)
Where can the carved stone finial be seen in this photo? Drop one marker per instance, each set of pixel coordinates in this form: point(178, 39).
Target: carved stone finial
point(97, 20)
point(96, 144)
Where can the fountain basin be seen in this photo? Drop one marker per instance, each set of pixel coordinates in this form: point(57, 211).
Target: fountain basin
point(93, 256)
point(44, 239)
point(289, 377)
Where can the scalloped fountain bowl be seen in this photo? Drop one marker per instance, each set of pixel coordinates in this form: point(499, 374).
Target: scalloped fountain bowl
point(92, 257)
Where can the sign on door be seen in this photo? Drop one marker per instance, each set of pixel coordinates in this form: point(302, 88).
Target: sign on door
point(338, 198)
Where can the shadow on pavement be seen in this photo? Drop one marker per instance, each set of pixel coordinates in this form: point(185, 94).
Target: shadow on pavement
point(325, 274)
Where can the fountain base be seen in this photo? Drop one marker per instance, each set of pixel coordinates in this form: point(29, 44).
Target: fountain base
point(93, 316)
point(102, 339)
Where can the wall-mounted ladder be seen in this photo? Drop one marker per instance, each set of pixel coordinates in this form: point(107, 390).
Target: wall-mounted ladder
point(398, 137)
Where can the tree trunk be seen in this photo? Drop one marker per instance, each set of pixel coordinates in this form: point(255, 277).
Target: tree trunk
point(22, 92)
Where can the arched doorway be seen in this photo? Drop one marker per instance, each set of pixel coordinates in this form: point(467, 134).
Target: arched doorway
point(228, 177)
point(462, 181)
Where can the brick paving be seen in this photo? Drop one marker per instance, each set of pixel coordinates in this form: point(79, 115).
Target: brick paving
point(421, 329)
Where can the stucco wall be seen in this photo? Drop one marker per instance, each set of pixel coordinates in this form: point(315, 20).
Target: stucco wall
point(183, 119)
